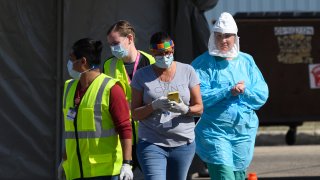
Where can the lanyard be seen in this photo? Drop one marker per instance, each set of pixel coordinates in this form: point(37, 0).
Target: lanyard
point(135, 66)
point(136, 63)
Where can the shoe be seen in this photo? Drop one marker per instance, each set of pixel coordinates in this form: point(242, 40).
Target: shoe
point(204, 173)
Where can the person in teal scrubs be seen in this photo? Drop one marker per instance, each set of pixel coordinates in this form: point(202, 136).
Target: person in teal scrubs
point(232, 89)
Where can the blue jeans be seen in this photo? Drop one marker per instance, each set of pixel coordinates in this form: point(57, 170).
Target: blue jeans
point(161, 163)
point(101, 178)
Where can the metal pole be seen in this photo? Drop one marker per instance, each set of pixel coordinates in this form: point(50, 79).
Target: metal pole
point(59, 81)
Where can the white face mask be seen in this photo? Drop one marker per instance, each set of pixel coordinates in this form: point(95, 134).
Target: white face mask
point(164, 61)
point(75, 74)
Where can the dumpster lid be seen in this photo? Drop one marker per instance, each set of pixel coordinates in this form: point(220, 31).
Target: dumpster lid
point(276, 15)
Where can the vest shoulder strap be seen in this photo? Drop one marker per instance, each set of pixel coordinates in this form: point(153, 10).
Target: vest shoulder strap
point(149, 57)
point(106, 62)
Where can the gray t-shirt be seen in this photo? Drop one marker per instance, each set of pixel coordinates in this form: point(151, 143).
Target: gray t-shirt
point(165, 128)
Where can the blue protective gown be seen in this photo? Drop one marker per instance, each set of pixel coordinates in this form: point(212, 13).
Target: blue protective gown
point(228, 126)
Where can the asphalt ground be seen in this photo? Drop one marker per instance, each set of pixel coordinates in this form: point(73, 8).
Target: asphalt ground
point(298, 162)
point(275, 160)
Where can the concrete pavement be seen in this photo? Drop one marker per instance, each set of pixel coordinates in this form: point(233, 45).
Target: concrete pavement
point(299, 162)
point(274, 160)
point(286, 161)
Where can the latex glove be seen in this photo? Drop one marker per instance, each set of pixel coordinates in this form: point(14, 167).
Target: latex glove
point(126, 172)
point(239, 88)
point(179, 107)
point(161, 103)
point(61, 174)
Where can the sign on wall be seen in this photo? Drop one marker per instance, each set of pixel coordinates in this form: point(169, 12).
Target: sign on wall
point(314, 74)
point(294, 44)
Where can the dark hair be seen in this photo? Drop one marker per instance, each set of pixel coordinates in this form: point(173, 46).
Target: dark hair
point(88, 48)
point(159, 37)
point(123, 27)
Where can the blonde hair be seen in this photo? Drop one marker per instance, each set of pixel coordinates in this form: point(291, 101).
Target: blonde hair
point(123, 27)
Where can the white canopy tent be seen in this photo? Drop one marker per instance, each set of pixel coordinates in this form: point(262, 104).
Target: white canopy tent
point(36, 37)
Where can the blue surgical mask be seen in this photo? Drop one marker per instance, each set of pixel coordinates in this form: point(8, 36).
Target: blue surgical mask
point(164, 61)
point(119, 51)
point(74, 74)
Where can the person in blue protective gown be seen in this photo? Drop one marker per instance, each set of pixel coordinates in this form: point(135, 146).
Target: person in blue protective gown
point(232, 89)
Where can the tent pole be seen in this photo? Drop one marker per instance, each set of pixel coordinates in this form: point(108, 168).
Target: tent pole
point(59, 85)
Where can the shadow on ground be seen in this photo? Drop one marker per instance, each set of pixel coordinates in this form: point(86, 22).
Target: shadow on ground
point(280, 139)
point(291, 178)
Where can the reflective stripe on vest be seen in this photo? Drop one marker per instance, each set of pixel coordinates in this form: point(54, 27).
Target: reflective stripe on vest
point(67, 91)
point(99, 132)
point(113, 65)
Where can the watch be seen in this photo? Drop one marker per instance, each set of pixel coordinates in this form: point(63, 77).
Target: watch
point(130, 162)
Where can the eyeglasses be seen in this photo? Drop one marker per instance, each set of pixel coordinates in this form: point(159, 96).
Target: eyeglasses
point(223, 36)
point(162, 53)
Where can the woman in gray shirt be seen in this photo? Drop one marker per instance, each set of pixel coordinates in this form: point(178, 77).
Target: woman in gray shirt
point(166, 129)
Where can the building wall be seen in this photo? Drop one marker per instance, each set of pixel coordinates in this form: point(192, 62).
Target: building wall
point(234, 6)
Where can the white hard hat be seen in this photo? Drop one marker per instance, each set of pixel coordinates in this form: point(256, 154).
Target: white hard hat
point(225, 24)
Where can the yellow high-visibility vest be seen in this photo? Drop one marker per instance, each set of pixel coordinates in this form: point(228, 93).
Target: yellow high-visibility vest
point(115, 68)
point(91, 135)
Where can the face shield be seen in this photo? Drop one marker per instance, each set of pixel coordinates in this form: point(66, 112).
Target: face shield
point(225, 24)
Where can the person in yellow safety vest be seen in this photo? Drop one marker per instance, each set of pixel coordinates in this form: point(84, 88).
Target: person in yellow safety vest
point(98, 133)
point(126, 60)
